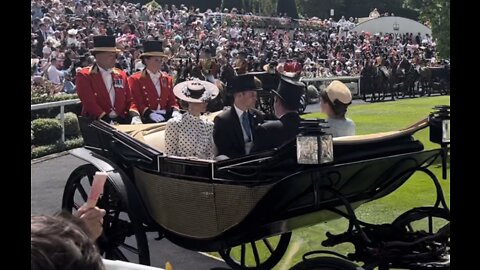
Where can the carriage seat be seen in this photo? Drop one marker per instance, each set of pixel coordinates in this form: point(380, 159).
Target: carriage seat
point(360, 147)
point(381, 136)
point(153, 134)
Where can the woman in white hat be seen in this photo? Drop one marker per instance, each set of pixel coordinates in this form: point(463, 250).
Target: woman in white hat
point(334, 101)
point(188, 135)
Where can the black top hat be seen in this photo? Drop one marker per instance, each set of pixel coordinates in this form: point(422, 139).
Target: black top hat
point(104, 44)
point(153, 48)
point(290, 92)
point(244, 82)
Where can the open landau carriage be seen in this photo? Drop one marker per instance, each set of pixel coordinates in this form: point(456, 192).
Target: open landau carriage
point(243, 205)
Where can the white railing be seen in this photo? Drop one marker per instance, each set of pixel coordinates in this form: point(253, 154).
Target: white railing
point(339, 78)
point(60, 104)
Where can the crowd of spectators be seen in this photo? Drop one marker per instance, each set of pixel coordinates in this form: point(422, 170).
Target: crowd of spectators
point(62, 34)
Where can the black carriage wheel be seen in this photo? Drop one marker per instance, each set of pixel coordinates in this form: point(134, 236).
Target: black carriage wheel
point(325, 263)
point(275, 253)
point(117, 223)
point(406, 219)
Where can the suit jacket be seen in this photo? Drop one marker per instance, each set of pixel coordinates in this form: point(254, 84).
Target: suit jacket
point(40, 41)
point(274, 133)
point(95, 97)
point(145, 96)
point(228, 133)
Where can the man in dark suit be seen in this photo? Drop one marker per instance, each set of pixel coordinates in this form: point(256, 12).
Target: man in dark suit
point(233, 132)
point(274, 133)
point(41, 38)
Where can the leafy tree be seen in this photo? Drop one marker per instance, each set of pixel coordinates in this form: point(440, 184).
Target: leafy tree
point(436, 13)
point(233, 4)
point(289, 7)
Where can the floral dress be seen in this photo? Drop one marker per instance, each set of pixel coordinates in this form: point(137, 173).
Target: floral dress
point(189, 136)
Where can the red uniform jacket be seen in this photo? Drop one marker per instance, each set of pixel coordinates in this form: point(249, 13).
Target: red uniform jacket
point(95, 97)
point(145, 95)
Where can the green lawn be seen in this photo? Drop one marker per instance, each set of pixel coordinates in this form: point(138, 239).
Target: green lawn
point(417, 191)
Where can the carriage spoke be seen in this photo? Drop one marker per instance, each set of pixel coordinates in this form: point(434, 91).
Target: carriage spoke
point(228, 251)
point(255, 253)
point(242, 255)
point(269, 246)
point(129, 248)
point(82, 191)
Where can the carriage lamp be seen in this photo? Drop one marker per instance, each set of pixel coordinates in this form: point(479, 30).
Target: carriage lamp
point(314, 146)
point(439, 122)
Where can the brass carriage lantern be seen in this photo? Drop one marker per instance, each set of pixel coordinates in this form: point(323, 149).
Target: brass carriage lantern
point(314, 146)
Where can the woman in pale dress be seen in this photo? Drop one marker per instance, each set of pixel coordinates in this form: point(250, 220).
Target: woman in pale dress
point(189, 135)
point(334, 101)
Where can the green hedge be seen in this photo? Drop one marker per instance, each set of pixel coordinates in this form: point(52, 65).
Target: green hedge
point(72, 128)
point(45, 99)
point(44, 150)
point(41, 94)
point(46, 131)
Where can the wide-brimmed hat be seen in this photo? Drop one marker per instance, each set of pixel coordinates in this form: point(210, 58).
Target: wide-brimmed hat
point(244, 82)
point(153, 48)
point(337, 90)
point(196, 91)
point(290, 92)
point(104, 44)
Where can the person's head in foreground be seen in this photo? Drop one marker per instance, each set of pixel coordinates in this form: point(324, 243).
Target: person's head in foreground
point(335, 99)
point(62, 243)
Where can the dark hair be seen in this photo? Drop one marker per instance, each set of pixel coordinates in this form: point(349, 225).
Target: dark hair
point(61, 242)
point(339, 108)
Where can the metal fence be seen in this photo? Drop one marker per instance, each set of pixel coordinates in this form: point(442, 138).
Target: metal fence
point(352, 82)
point(60, 104)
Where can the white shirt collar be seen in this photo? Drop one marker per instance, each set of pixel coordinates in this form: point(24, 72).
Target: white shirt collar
point(239, 112)
point(157, 75)
point(105, 71)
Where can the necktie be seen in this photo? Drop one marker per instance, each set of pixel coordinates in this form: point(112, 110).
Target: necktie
point(246, 125)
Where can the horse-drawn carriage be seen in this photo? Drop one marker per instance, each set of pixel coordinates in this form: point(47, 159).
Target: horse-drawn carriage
point(403, 79)
point(256, 201)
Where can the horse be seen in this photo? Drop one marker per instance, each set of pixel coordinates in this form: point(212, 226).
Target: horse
point(407, 72)
point(375, 80)
point(424, 80)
